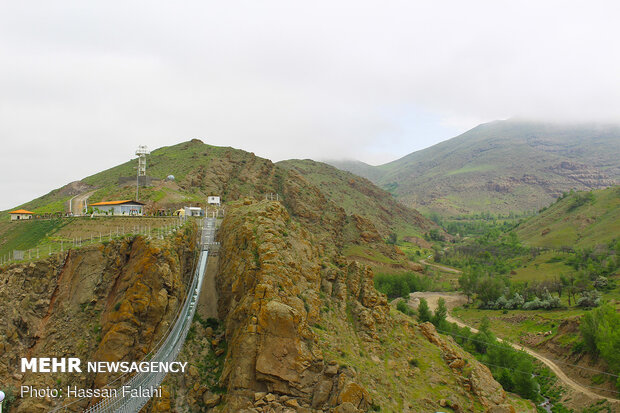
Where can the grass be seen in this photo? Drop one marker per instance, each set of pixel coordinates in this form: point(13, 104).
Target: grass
point(59, 205)
point(588, 225)
point(357, 196)
point(25, 235)
point(541, 269)
point(400, 372)
point(48, 235)
point(478, 165)
point(368, 253)
point(514, 324)
point(472, 168)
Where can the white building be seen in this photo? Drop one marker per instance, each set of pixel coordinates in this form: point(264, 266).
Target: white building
point(213, 200)
point(193, 212)
point(125, 207)
point(20, 214)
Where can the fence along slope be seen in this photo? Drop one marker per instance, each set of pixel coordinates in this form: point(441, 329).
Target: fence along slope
point(171, 347)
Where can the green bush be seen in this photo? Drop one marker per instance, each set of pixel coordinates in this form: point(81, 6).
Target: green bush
point(600, 330)
point(401, 284)
point(424, 313)
point(441, 312)
point(403, 307)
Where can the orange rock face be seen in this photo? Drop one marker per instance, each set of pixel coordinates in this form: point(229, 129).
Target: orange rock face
point(108, 302)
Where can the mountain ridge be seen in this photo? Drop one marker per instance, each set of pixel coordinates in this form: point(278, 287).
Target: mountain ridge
point(501, 166)
point(200, 170)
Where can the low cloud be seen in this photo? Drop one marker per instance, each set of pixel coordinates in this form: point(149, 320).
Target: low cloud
point(83, 84)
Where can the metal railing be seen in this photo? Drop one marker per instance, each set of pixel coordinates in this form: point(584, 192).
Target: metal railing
point(124, 401)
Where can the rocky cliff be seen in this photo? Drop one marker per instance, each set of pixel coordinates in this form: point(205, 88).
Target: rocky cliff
point(105, 302)
point(304, 330)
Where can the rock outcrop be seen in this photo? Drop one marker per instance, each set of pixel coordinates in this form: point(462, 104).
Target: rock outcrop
point(105, 302)
point(271, 279)
point(477, 378)
point(299, 320)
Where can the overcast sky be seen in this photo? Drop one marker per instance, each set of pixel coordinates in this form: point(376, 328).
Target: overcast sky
point(82, 84)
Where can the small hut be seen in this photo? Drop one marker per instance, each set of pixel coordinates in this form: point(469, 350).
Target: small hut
point(20, 214)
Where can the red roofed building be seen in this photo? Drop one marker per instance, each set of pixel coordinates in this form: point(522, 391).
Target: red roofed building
point(20, 214)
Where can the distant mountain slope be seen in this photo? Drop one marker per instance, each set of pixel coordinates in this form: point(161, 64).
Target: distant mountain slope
point(581, 219)
point(358, 168)
point(502, 166)
point(200, 170)
point(360, 196)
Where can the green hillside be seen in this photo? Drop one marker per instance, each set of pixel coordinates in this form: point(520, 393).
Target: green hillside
point(313, 191)
point(358, 195)
point(500, 167)
point(579, 220)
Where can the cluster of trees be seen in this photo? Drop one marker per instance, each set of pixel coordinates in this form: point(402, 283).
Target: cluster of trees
point(493, 252)
point(600, 330)
point(546, 302)
point(434, 235)
point(580, 199)
point(602, 261)
point(511, 368)
point(438, 318)
point(488, 261)
point(478, 224)
point(402, 284)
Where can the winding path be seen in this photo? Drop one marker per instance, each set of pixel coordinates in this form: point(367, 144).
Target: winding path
point(441, 267)
point(456, 299)
point(77, 203)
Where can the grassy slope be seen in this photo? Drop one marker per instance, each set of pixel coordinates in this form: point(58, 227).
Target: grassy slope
point(46, 235)
point(359, 196)
point(201, 170)
point(593, 223)
point(178, 160)
point(502, 166)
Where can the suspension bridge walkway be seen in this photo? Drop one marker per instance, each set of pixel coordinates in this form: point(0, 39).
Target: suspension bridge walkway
point(171, 347)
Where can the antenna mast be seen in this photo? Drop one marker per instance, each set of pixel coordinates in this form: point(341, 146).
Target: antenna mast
point(142, 151)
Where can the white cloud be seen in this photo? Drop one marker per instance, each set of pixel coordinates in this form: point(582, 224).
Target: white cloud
point(286, 79)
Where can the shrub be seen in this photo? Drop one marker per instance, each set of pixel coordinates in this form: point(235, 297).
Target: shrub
point(600, 330)
point(589, 299)
point(424, 313)
point(441, 312)
point(403, 307)
point(401, 284)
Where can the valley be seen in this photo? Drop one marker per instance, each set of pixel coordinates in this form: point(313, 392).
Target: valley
point(313, 298)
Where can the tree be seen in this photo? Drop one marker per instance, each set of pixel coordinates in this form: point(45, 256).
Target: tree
point(468, 282)
point(484, 336)
point(489, 289)
point(403, 307)
point(424, 313)
point(589, 327)
point(392, 238)
point(589, 299)
point(441, 312)
point(608, 336)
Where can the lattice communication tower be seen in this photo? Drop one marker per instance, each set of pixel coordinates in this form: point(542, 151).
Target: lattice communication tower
point(142, 151)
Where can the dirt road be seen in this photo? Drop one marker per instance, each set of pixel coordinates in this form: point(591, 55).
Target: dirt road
point(78, 202)
point(441, 267)
point(457, 299)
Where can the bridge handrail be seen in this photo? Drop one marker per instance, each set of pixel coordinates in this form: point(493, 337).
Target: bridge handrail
point(171, 347)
